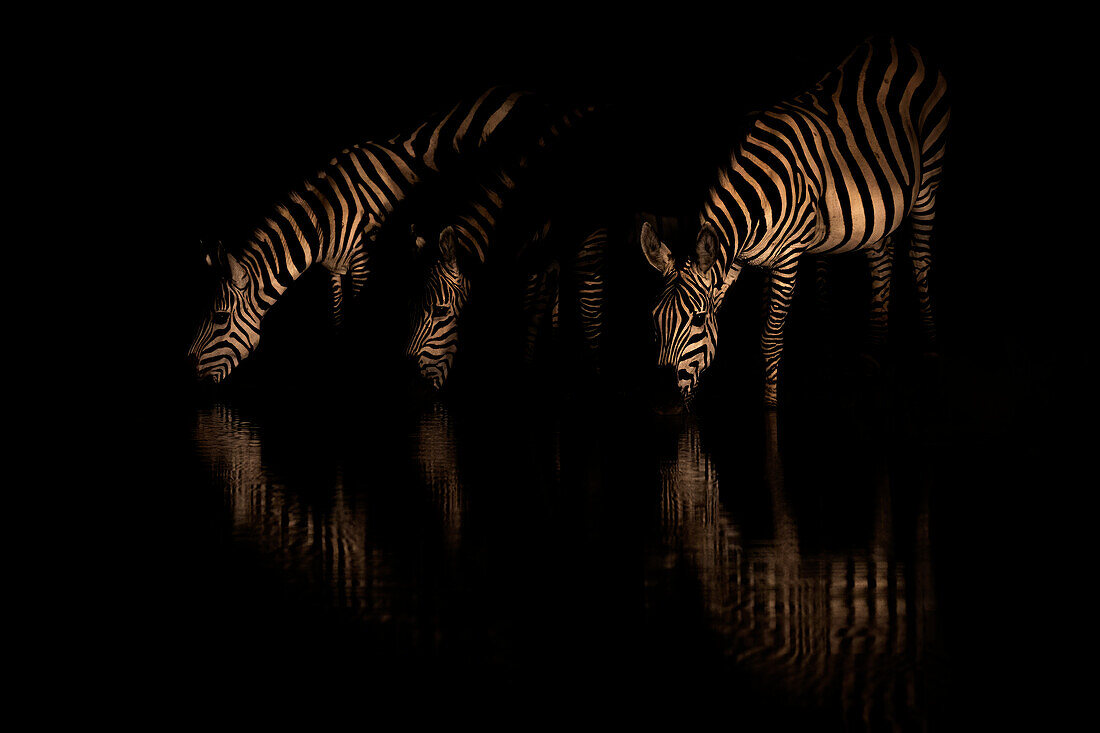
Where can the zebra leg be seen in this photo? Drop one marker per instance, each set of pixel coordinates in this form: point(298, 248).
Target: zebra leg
point(358, 269)
point(553, 300)
point(920, 256)
point(823, 296)
point(821, 281)
point(337, 299)
point(781, 294)
point(588, 270)
point(880, 257)
point(535, 303)
point(556, 289)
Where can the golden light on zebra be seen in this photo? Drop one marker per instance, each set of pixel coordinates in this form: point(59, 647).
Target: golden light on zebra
point(331, 221)
point(836, 169)
point(473, 237)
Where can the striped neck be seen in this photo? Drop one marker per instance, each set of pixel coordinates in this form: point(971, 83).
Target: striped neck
point(476, 225)
point(754, 205)
point(729, 211)
point(314, 225)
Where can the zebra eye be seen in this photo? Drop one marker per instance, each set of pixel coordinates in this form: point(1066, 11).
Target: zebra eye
point(440, 311)
point(221, 318)
point(699, 319)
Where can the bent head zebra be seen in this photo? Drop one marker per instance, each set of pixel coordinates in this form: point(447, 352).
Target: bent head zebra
point(231, 329)
point(685, 317)
point(434, 338)
point(838, 168)
point(332, 219)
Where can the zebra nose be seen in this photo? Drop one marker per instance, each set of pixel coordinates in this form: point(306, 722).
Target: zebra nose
point(193, 361)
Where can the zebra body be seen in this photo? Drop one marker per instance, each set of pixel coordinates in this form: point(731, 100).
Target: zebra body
point(470, 240)
point(332, 219)
point(836, 169)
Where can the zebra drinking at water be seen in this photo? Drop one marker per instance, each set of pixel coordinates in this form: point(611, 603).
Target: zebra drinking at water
point(836, 169)
point(434, 342)
point(468, 241)
point(332, 219)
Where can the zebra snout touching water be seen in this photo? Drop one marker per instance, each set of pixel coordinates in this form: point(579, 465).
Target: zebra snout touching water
point(332, 220)
point(434, 339)
point(505, 200)
point(231, 330)
point(836, 169)
point(685, 316)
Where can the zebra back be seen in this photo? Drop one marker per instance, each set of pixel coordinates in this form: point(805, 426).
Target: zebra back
point(332, 219)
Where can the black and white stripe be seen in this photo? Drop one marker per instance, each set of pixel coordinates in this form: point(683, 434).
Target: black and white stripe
point(331, 220)
point(836, 169)
point(584, 268)
point(470, 240)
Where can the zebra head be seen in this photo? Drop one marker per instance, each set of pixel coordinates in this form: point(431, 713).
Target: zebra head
point(685, 316)
point(231, 329)
point(434, 339)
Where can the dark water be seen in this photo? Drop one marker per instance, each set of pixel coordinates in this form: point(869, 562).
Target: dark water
point(814, 571)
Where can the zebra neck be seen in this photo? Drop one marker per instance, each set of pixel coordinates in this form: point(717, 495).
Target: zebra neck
point(306, 228)
point(753, 207)
point(477, 223)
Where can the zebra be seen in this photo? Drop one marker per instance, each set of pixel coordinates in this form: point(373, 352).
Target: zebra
point(542, 297)
point(468, 241)
point(835, 169)
point(434, 341)
point(332, 219)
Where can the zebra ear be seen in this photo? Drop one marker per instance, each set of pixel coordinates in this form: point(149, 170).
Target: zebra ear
point(237, 274)
point(706, 248)
point(447, 246)
point(658, 254)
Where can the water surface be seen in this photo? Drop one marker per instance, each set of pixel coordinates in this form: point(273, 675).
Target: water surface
point(788, 573)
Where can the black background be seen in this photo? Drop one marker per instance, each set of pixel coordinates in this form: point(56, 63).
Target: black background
point(225, 113)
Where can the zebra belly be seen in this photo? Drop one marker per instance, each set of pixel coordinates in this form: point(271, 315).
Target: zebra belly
point(852, 228)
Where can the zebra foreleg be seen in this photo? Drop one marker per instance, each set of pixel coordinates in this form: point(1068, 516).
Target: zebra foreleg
point(336, 293)
point(920, 256)
point(358, 270)
point(555, 294)
point(880, 257)
point(822, 288)
point(539, 299)
point(588, 274)
point(780, 296)
point(532, 314)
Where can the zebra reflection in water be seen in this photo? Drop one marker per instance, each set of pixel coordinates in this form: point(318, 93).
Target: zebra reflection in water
point(325, 544)
point(437, 461)
point(328, 537)
point(822, 628)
